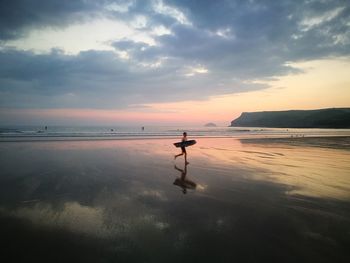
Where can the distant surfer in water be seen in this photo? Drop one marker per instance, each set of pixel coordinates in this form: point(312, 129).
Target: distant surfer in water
point(183, 149)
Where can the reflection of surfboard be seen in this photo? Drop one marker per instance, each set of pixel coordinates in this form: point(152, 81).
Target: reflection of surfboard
point(185, 143)
point(185, 183)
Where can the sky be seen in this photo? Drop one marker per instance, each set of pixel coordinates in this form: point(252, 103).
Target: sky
point(169, 62)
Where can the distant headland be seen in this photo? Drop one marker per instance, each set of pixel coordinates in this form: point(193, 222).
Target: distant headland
point(210, 124)
point(321, 118)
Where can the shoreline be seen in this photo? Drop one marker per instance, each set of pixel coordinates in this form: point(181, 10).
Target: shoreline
point(132, 138)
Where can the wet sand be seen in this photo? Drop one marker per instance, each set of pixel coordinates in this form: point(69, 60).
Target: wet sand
point(249, 200)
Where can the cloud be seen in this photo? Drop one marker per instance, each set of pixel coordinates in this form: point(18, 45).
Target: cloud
point(99, 79)
point(17, 17)
point(194, 50)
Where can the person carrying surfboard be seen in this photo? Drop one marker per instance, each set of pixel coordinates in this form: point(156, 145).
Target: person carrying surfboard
point(183, 149)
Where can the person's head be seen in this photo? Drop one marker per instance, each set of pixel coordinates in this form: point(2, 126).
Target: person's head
point(185, 134)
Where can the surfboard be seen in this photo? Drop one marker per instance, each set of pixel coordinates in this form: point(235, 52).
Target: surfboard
point(185, 143)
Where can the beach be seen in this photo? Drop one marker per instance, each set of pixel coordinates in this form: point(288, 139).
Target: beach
point(128, 200)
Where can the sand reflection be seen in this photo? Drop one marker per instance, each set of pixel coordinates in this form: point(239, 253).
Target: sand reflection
point(310, 170)
point(115, 201)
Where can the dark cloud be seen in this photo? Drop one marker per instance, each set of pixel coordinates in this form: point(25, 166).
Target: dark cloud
point(97, 79)
point(257, 37)
point(129, 45)
point(274, 27)
point(236, 41)
point(18, 16)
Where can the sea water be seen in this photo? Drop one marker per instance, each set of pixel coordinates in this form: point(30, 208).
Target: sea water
point(129, 132)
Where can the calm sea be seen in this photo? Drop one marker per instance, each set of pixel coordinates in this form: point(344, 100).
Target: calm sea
point(115, 132)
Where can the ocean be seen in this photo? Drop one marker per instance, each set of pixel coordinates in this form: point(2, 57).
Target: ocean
point(130, 132)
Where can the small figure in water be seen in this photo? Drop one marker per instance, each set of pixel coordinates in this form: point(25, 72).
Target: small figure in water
point(143, 128)
point(45, 128)
point(183, 149)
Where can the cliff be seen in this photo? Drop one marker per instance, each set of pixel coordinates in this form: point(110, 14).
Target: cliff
point(323, 118)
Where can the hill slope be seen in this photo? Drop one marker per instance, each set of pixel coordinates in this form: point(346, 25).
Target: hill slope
point(323, 118)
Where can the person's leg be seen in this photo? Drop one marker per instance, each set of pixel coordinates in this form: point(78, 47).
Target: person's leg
point(186, 162)
point(178, 155)
point(185, 153)
point(182, 153)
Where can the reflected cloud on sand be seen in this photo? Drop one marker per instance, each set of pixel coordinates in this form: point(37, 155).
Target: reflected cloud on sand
point(182, 181)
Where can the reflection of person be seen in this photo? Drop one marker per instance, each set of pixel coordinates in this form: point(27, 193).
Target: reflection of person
point(183, 182)
point(183, 149)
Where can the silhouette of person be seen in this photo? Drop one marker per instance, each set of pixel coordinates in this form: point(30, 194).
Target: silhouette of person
point(182, 181)
point(183, 148)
